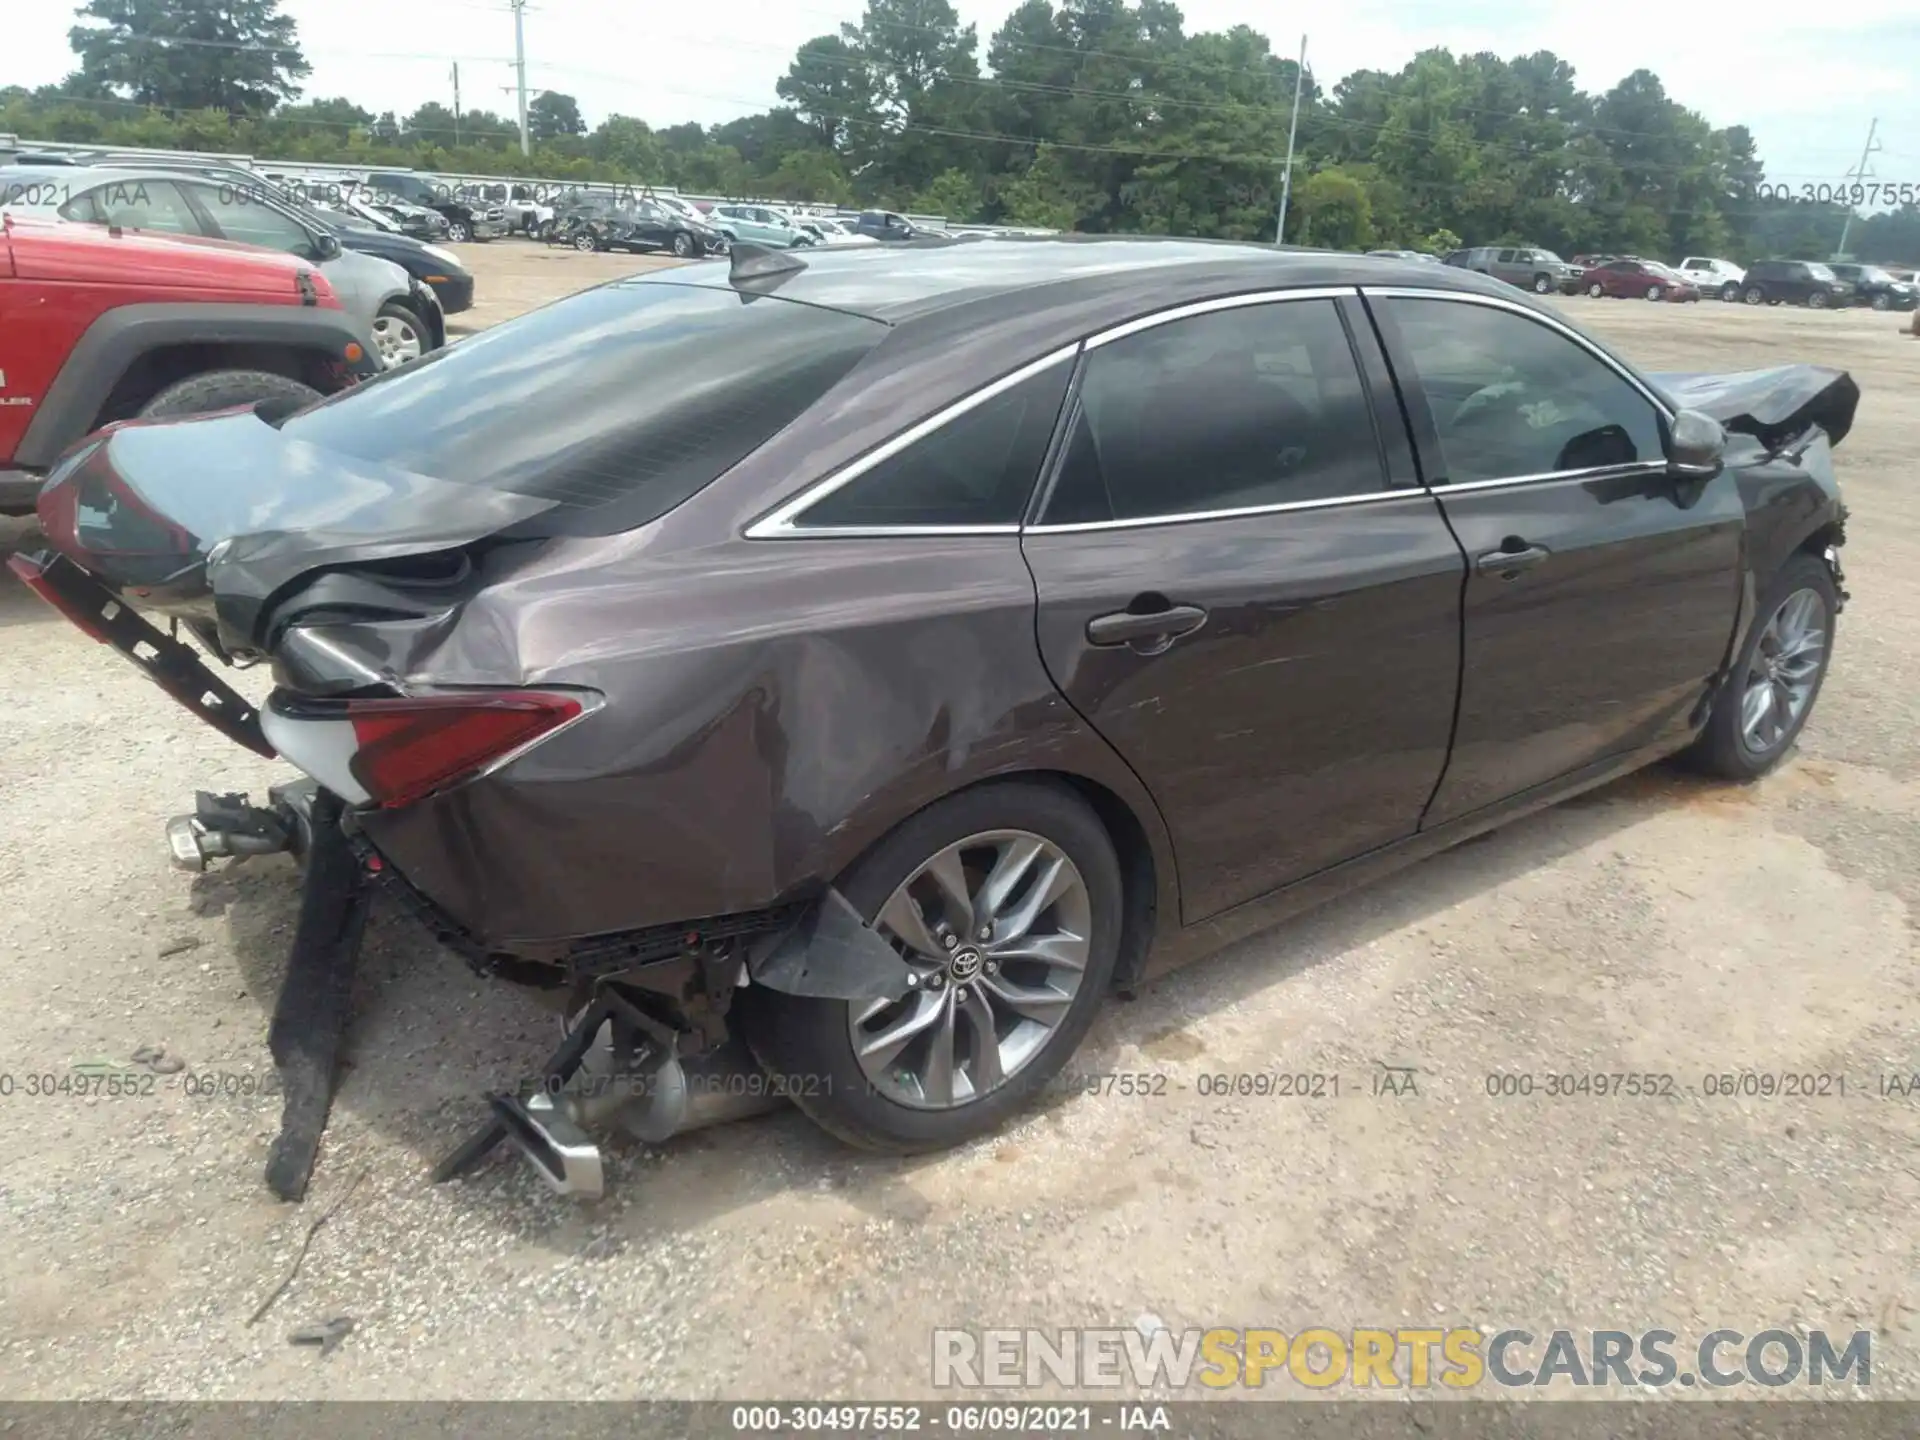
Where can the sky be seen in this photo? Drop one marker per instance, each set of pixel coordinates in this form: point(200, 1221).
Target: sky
point(1805, 81)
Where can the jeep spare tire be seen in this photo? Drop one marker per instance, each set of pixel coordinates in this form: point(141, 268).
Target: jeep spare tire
point(225, 389)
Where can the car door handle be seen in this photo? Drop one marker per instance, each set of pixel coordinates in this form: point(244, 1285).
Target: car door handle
point(1131, 627)
point(1509, 563)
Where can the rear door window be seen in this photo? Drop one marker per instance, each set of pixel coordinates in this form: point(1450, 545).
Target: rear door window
point(615, 404)
point(1241, 409)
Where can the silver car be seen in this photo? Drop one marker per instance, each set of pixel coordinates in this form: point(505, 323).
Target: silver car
point(397, 317)
point(1526, 266)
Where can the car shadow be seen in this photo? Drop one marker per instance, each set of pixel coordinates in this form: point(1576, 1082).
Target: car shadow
point(429, 1037)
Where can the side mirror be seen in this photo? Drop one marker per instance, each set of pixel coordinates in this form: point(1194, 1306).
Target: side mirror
point(326, 247)
point(1696, 447)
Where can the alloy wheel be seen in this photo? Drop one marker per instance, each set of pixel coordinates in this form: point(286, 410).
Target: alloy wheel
point(1654, 292)
point(397, 339)
point(1541, 284)
point(995, 931)
point(458, 231)
point(1817, 300)
point(1755, 296)
point(1783, 672)
point(683, 245)
point(1882, 302)
point(584, 242)
point(1596, 290)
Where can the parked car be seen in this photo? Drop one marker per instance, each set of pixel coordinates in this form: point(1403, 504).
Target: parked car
point(641, 227)
point(100, 325)
point(1714, 277)
point(1540, 271)
point(1874, 286)
point(884, 225)
point(353, 217)
point(760, 224)
point(1638, 280)
point(886, 668)
point(400, 317)
point(1794, 282)
point(479, 220)
point(828, 231)
point(407, 218)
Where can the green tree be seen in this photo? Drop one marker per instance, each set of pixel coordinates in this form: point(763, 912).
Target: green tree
point(954, 194)
point(1334, 212)
point(551, 114)
point(239, 56)
point(828, 88)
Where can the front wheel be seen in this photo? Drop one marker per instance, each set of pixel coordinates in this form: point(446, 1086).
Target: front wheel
point(1654, 292)
point(1755, 295)
point(1768, 694)
point(225, 389)
point(398, 335)
point(585, 241)
point(1596, 290)
point(1003, 904)
point(1817, 300)
point(1883, 302)
point(682, 244)
point(459, 231)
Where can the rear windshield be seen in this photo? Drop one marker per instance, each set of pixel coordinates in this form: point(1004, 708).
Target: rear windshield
point(615, 404)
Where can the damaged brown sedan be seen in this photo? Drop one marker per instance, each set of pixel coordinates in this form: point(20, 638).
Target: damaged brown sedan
point(881, 656)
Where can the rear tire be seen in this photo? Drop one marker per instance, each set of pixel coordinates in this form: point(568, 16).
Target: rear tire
point(1542, 284)
point(1728, 747)
point(223, 390)
point(1883, 302)
point(1729, 292)
point(808, 1044)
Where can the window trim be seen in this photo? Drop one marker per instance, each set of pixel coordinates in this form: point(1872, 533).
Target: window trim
point(778, 523)
point(1527, 312)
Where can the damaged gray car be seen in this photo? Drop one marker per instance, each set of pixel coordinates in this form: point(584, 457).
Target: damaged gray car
point(840, 672)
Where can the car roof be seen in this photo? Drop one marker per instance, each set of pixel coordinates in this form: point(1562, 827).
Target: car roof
point(1095, 276)
point(94, 176)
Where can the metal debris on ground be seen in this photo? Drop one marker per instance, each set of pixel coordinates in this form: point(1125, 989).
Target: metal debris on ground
point(327, 1334)
point(294, 1269)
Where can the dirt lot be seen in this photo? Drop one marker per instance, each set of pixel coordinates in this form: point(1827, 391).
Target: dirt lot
point(1658, 925)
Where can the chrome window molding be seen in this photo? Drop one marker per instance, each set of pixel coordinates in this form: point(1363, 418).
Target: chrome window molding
point(779, 524)
point(1218, 302)
point(1554, 477)
point(1527, 312)
point(1241, 512)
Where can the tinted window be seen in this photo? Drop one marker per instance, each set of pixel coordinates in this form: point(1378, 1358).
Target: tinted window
point(1510, 396)
point(136, 205)
point(1260, 405)
point(978, 469)
point(621, 400)
point(243, 216)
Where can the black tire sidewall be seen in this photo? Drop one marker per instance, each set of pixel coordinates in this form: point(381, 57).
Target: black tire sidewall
point(223, 390)
point(806, 1042)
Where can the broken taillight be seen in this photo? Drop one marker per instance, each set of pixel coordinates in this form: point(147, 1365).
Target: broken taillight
point(407, 748)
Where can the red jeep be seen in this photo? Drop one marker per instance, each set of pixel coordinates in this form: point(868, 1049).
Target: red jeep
point(100, 324)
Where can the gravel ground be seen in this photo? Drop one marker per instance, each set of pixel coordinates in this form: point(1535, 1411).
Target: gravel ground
point(1658, 925)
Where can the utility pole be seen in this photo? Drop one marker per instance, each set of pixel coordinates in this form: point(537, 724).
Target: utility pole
point(456, 102)
point(1286, 180)
point(1860, 173)
point(520, 69)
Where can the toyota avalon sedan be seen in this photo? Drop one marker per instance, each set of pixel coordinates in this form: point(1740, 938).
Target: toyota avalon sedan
point(883, 655)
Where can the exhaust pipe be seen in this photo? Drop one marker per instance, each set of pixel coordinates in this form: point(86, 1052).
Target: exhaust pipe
point(226, 827)
point(558, 1149)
